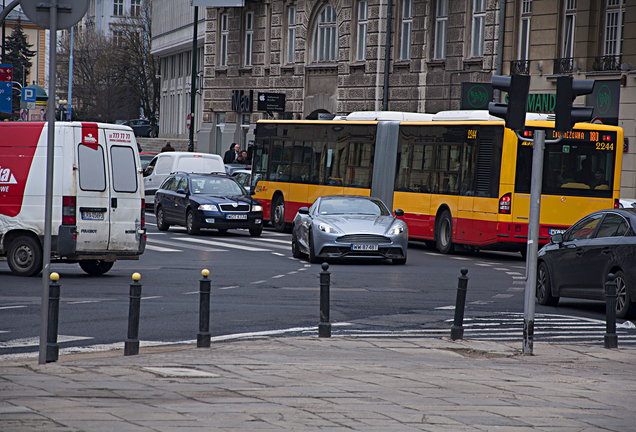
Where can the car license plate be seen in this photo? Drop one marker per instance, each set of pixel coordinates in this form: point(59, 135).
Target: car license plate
point(236, 216)
point(554, 231)
point(93, 215)
point(364, 247)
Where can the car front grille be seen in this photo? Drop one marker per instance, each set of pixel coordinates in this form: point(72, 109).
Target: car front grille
point(231, 208)
point(363, 238)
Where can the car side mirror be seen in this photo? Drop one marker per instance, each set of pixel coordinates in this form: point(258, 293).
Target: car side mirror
point(556, 239)
point(303, 210)
point(399, 212)
point(181, 191)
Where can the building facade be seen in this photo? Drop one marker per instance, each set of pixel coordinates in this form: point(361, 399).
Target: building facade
point(103, 14)
point(328, 57)
point(38, 38)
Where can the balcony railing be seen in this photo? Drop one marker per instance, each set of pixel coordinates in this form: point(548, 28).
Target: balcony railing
point(607, 63)
point(520, 67)
point(563, 66)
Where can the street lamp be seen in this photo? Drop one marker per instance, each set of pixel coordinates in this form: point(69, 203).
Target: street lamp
point(62, 108)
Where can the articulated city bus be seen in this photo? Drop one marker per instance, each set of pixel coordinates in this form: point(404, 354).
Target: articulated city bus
point(461, 177)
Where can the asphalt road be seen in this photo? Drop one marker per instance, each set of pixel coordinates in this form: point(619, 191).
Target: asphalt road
point(257, 286)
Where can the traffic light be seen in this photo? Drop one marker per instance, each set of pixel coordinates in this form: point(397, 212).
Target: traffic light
point(567, 90)
point(514, 112)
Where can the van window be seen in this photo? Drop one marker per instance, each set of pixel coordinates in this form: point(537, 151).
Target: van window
point(92, 171)
point(198, 165)
point(164, 165)
point(122, 160)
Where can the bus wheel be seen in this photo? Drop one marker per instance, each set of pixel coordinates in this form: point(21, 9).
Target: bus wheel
point(25, 256)
point(278, 218)
point(445, 233)
point(95, 267)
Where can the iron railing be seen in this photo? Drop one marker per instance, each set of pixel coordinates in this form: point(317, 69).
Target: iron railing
point(563, 66)
point(607, 63)
point(520, 67)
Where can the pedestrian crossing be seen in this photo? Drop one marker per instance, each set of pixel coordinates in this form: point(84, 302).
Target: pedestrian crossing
point(177, 242)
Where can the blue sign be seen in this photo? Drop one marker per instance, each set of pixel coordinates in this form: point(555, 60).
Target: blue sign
point(5, 96)
point(28, 94)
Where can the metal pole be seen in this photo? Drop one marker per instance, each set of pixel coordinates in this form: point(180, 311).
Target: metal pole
point(610, 339)
point(131, 346)
point(457, 329)
point(52, 347)
point(387, 55)
point(3, 33)
point(533, 240)
point(324, 328)
point(48, 209)
point(193, 80)
point(70, 78)
point(203, 337)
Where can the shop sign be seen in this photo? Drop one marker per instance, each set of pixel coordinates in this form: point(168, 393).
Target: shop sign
point(242, 102)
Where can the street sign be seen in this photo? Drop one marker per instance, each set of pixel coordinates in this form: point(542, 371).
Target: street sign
point(69, 12)
point(188, 121)
point(28, 94)
point(475, 96)
point(5, 96)
point(6, 72)
point(271, 102)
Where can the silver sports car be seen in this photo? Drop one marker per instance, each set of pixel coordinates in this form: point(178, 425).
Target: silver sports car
point(347, 226)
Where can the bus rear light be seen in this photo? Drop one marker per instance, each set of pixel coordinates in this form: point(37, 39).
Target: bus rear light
point(505, 203)
point(617, 203)
point(69, 204)
point(143, 213)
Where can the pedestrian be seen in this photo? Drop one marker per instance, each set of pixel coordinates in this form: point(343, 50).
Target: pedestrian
point(167, 147)
point(231, 155)
point(153, 126)
point(244, 159)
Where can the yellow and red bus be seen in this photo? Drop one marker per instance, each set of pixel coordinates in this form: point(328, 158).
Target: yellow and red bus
point(460, 177)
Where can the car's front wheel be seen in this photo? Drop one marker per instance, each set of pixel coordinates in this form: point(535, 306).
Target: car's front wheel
point(256, 232)
point(544, 286)
point(191, 225)
point(312, 256)
point(624, 307)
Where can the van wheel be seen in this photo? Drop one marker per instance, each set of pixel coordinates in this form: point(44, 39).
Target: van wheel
point(161, 221)
point(278, 215)
point(256, 232)
point(191, 225)
point(445, 233)
point(96, 267)
point(25, 256)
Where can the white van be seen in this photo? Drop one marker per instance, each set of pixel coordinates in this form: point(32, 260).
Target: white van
point(98, 198)
point(166, 163)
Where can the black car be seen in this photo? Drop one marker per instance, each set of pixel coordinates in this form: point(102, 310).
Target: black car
point(141, 127)
point(206, 201)
point(576, 263)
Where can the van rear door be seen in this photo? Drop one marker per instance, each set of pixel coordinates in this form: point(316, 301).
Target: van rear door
point(93, 185)
point(125, 192)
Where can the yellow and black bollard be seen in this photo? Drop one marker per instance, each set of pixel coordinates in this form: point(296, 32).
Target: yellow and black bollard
point(52, 347)
point(131, 347)
point(203, 337)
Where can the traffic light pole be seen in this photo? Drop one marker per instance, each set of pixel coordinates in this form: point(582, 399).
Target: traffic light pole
point(538, 148)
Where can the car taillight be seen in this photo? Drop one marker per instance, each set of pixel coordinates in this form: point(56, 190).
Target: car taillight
point(143, 213)
point(505, 203)
point(68, 210)
point(617, 203)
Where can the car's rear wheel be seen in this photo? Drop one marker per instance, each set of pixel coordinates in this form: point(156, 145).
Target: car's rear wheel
point(624, 307)
point(278, 214)
point(445, 233)
point(296, 253)
point(256, 232)
point(25, 256)
point(544, 286)
point(96, 267)
point(191, 225)
point(312, 256)
point(161, 221)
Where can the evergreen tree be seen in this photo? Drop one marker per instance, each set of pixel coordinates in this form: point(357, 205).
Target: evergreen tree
point(18, 54)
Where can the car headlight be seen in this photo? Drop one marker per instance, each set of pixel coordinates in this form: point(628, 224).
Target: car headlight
point(209, 207)
point(396, 229)
point(257, 208)
point(328, 228)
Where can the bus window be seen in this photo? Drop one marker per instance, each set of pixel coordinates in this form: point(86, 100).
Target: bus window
point(359, 165)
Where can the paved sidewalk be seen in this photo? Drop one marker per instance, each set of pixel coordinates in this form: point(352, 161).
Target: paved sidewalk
point(338, 384)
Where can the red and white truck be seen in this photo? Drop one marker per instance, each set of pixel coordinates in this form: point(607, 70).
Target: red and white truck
point(98, 195)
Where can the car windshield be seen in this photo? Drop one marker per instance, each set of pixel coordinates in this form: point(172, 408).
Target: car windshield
point(352, 206)
point(216, 186)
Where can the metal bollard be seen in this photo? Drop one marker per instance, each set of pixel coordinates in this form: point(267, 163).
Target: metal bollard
point(131, 347)
point(457, 329)
point(324, 328)
point(610, 338)
point(52, 347)
point(203, 337)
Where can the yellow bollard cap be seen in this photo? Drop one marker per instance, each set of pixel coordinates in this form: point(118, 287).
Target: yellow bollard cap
point(54, 277)
point(136, 276)
point(205, 272)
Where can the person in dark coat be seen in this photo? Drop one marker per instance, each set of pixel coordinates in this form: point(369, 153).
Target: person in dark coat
point(231, 155)
point(167, 148)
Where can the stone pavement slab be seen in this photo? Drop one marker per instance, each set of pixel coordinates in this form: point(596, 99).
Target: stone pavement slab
point(337, 384)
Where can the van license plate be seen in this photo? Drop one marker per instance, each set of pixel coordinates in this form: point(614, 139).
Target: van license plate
point(237, 216)
point(364, 247)
point(92, 215)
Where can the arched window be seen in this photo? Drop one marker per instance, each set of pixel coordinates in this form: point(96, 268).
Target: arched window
point(326, 36)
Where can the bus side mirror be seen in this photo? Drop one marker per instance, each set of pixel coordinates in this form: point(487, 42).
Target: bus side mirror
point(399, 212)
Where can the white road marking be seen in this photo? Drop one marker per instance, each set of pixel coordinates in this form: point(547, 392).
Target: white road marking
point(302, 269)
point(229, 287)
point(187, 246)
point(292, 272)
point(278, 276)
point(258, 282)
point(483, 265)
point(516, 289)
point(161, 249)
point(85, 301)
point(499, 268)
point(430, 253)
point(151, 297)
point(12, 307)
point(519, 282)
point(502, 296)
point(278, 254)
point(446, 307)
point(287, 242)
point(518, 277)
point(192, 292)
point(221, 244)
point(513, 273)
point(460, 258)
point(291, 258)
point(307, 265)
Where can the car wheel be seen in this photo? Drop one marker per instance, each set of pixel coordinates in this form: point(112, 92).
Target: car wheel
point(445, 233)
point(256, 232)
point(25, 256)
point(312, 256)
point(191, 225)
point(278, 214)
point(222, 230)
point(95, 267)
point(161, 221)
point(544, 286)
point(399, 261)
point(296, 253)
point(624, 307)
